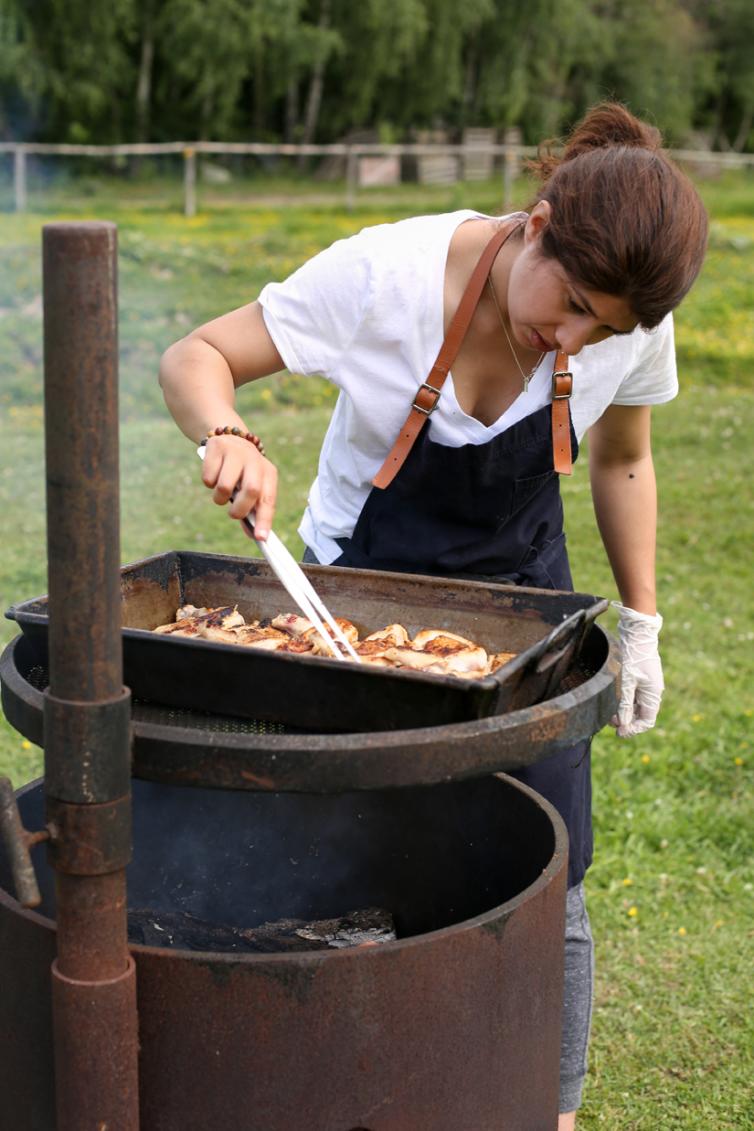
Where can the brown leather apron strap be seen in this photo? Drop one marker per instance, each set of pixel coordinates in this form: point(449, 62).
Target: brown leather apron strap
point(562, 387)
point(428, 394)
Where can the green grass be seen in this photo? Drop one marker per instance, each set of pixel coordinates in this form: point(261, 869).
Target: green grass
point(671, 889)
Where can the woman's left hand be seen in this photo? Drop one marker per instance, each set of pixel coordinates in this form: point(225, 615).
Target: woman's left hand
point(642, 682)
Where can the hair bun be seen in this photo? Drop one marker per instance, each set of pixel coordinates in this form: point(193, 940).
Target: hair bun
point(623, 219)
point(609, 124)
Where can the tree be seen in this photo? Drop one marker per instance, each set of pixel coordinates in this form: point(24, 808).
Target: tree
point(312, 70)
point(83, 60)
point(22, 80)
point(730, 25)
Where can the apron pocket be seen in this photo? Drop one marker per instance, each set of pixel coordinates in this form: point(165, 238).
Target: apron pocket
point(524, 490)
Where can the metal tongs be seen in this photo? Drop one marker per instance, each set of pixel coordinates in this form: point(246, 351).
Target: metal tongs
point(299, 588)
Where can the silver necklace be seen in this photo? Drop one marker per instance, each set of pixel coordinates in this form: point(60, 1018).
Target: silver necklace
point(525, 376)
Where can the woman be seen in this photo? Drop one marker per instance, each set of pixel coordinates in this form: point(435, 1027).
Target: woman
point(544, 319)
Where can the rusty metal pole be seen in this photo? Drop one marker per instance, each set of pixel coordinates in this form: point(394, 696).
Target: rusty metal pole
point(87, 709)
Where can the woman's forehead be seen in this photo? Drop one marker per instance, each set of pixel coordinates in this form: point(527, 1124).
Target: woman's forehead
point(611, 310)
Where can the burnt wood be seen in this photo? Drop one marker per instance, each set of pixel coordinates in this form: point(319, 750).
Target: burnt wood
point(184, 931)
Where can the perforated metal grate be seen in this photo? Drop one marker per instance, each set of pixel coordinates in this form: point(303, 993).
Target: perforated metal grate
point(160, 715)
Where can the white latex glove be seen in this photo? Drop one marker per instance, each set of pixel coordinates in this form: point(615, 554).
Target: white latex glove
point(641, 671)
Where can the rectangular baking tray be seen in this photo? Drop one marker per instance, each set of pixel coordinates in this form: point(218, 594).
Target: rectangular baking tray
point(545, 628)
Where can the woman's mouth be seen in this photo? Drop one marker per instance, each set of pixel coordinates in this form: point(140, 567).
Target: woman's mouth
point(540, 343)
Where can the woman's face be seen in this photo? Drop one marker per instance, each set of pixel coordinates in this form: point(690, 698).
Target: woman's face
point(547, 310)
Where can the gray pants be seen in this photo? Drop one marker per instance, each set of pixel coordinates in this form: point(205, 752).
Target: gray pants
point(578, 989)
point(577, 999)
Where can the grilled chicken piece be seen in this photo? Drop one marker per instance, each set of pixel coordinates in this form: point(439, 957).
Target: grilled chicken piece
point(297, 645)
point(219, 635)
point(190, 611)
point(228, 617)
point(186, 627)
point(453, 654)
point(432, 650)
point(267, 643)
point(455, 657)
point(350, 631)
point(195, 623)
point(441, 658)
point(427, 635)
point(300, 627)
point(291, 623)
point(372, 650)
point(245, 635)
point(393, 634)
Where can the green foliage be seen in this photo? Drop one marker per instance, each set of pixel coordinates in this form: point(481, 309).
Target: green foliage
point(317, 69)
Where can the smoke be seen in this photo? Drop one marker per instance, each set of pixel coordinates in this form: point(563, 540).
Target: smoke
point(430, 856)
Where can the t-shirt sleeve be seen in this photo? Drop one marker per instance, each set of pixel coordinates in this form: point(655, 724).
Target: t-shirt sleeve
point(314, 315)
point(653, 377)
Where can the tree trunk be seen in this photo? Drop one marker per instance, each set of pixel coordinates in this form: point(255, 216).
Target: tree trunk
point(743, 130)
point(469, 111)
point(205, 114)
point(316, 86)
point(259, 89)
point(144, 85)
point(291, 111)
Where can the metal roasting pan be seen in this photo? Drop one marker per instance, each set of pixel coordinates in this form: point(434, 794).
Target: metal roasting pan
point(546, 628)
point(175, 746)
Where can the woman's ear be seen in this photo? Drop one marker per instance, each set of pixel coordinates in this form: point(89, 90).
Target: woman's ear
point(539, 218)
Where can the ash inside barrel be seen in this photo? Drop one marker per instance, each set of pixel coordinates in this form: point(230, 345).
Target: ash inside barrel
point(368, 927)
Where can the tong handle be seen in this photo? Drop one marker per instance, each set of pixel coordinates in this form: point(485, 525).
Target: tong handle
point(297, 584)
point(18, 842)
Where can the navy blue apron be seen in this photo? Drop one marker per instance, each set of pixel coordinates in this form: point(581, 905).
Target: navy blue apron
point(485, 511)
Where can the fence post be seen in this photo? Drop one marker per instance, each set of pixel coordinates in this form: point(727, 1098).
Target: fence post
point(19, 177)
point(189, 182)
point(352, 170)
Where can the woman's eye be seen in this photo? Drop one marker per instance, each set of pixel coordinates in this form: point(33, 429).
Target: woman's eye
point(575, 307)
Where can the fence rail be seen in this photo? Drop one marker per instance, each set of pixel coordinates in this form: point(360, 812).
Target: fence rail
point(511, 154)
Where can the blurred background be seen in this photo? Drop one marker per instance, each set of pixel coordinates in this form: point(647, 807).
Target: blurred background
point(318, 70)
point(222, 88)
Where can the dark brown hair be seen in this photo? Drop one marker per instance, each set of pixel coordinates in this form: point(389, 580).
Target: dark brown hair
point(625, 220)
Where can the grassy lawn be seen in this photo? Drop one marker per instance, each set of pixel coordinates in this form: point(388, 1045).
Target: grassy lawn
point(671, 889)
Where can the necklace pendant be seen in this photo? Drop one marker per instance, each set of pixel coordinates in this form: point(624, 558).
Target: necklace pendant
point(526, 382)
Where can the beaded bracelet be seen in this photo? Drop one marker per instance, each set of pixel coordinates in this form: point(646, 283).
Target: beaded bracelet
point(232, 431)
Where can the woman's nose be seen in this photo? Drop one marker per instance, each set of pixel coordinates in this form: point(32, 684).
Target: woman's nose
point(576, 333)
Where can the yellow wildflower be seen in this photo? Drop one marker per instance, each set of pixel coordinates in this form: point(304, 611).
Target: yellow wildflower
point(633, 912)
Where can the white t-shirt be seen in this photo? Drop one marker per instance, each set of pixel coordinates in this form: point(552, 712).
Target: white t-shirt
point(367, 314)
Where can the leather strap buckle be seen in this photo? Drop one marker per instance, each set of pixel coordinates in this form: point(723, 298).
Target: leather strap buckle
point(562, 385)
point(431, 408)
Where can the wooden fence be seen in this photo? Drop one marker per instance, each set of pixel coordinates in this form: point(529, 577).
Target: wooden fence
point(464, 155)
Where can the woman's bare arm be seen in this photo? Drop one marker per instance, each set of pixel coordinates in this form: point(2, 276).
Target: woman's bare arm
point(199, 376)
point(625, 500)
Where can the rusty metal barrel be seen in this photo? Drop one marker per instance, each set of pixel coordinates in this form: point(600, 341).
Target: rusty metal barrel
point(455, 1025)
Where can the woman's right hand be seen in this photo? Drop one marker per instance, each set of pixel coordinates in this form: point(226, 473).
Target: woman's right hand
point(235, 470)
